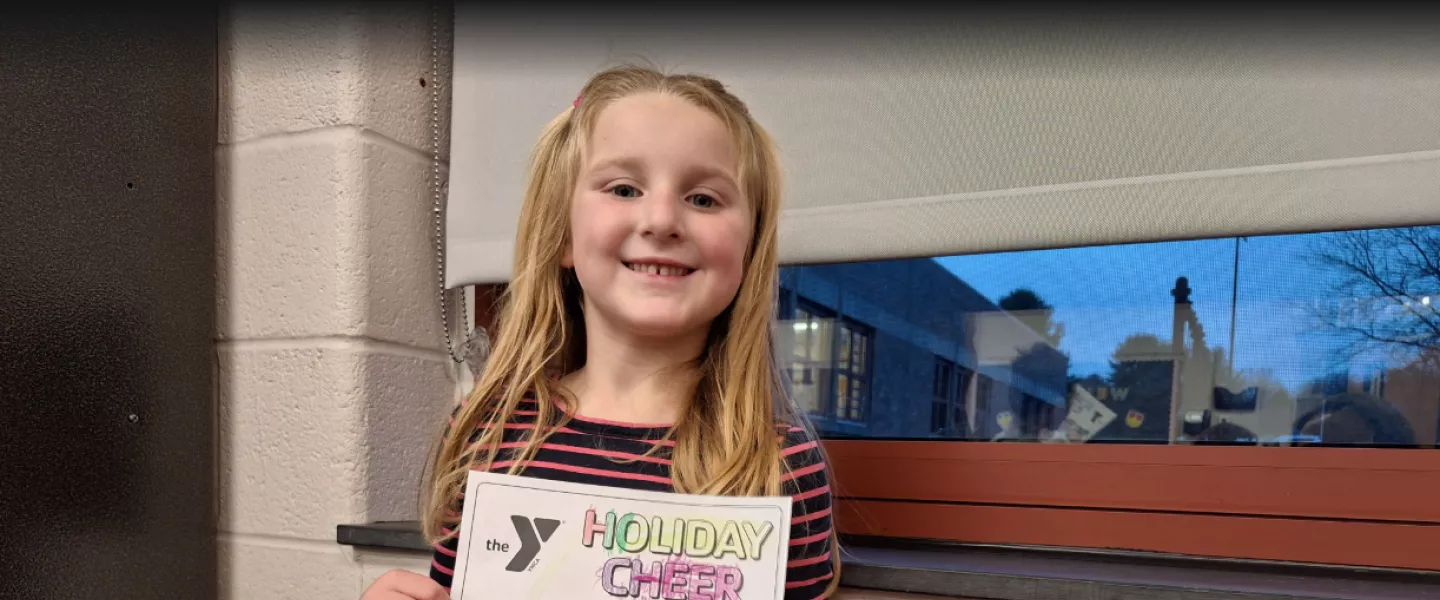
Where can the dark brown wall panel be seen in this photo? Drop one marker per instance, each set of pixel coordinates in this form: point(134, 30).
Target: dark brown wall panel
point(107, 300)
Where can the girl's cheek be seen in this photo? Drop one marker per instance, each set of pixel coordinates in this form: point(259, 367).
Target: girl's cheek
point(730, 246)
point(735, 261)
point(724, 242)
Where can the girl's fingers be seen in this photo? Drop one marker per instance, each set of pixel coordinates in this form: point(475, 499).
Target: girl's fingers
point(405, 585)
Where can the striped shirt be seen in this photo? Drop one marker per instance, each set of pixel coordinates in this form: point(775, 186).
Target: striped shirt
point(581, 452)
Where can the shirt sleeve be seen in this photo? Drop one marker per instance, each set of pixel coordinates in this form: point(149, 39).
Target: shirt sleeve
point(443, 553)
point(442, 562)
point(810, 568)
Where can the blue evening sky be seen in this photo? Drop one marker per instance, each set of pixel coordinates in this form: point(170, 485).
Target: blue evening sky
point(1104, 294)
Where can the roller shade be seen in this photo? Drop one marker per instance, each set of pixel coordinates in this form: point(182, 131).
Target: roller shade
point(913, 139)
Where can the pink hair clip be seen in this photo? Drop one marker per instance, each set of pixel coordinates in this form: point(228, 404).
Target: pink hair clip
point(577, 101)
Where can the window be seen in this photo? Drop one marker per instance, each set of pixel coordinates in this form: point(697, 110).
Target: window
point(942, 398)
point(852, 373)
point(829, 356)
point(810, 364)
point(1267, 397)
point(949, 399)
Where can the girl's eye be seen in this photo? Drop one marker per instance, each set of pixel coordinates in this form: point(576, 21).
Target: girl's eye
point(624, 191)
point(703, 201)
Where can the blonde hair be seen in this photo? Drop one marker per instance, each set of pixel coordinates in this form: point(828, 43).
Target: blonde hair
point(726, 442)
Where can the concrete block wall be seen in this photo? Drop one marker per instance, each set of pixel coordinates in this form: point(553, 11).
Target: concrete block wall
point(333, 370)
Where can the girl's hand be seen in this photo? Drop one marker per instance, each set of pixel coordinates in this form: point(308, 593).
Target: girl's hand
point(405, 585)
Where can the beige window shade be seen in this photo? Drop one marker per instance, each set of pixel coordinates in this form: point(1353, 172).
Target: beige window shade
point(948, 140)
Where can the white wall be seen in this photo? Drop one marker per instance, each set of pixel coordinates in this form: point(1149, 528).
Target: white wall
point(333, 370)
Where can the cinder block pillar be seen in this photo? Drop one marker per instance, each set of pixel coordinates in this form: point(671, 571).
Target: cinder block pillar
point(333, 369)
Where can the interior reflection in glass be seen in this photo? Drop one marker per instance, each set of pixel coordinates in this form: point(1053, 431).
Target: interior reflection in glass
point(1311, 339)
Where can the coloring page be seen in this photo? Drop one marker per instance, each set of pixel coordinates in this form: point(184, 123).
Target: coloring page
point(534, 539)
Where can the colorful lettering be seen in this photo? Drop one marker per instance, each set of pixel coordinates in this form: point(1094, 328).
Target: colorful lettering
point(694, 538)
point(609, 530)
point(607, 577)
point(729, 582)
point(658, 543)
point(673, 575)
point(729, 541)
point(631, 524)
point(674, 579)
point(700, 541)
point(703, 581)
point(754, 539)
point(593, 527)
point(648, 579)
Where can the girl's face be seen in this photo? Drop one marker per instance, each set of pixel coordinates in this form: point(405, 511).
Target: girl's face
point(659, 227)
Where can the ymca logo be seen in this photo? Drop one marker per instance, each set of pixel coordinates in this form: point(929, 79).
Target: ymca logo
point(533, 533)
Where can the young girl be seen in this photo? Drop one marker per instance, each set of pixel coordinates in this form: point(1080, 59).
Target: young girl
point(634, 347)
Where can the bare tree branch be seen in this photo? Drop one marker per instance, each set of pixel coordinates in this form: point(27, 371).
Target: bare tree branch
point(1390, 283)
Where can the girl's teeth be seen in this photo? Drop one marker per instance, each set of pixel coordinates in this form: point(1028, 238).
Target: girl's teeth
point(659, 270)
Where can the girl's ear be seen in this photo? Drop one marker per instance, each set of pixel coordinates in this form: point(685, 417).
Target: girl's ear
point(567, 259)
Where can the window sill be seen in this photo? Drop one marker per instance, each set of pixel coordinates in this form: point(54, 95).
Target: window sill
point(1042, 574)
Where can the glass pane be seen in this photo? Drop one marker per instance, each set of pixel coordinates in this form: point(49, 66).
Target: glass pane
point(1308, 339)
point(844, 355)
point(807, 399)
point(858, 360)
point(803, 387)
point(857, 399)
point(819, 339)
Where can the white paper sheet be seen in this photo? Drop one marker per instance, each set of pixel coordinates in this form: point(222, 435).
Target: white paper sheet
point(534, 539)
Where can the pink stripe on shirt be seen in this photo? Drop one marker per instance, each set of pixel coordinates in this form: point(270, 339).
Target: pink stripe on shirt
point(810, 517)
point(824, 489)
point(667, 443)
point(805, 562)
point(587, 471)
point(812, 581)
point(592, 452)
point(798, 448)
point(820, 466)
point(435, 562)
point(810, 538)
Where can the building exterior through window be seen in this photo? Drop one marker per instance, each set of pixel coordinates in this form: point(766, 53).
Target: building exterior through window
point(1286, 340)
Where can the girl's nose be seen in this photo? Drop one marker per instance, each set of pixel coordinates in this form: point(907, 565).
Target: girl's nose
point(660, 215)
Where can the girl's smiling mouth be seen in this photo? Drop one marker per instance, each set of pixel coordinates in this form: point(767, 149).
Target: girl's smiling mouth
point(658, 267)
